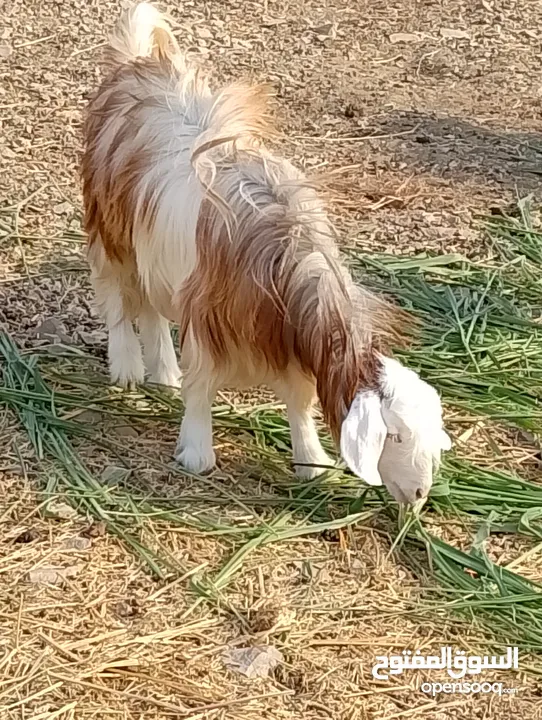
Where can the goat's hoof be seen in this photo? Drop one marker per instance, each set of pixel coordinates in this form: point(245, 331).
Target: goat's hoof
point(164, 380)
point(195, 461)
point(127, 380)
point(127, 375)
point(128, 384)
point(306, 472)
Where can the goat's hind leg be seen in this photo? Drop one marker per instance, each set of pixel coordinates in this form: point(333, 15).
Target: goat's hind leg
point(118, 301)
point(160, 359)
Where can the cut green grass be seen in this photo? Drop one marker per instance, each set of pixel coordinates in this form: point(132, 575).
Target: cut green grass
point(480, 344)
point(481, 338)
point(478, 587)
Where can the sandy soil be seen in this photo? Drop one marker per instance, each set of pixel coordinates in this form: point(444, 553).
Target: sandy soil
point(434, 110)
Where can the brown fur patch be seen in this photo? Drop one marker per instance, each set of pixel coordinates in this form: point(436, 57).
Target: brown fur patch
point(112, 170)
point(222, 301)
point(267, 283)
point(251, 291)
point(110, 184)
point(253, 124)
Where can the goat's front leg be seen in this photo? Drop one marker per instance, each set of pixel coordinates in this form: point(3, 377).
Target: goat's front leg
point(299, 394)
point(195, 444)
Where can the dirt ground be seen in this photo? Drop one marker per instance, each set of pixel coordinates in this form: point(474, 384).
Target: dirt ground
point(434, 110)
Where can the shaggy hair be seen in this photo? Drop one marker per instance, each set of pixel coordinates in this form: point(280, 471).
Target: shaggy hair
point(190, 218)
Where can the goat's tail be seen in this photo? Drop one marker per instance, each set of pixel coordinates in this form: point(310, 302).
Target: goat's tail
point(238, 116)
point(142, 31)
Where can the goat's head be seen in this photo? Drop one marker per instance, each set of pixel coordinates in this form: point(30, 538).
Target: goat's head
point(394, 435)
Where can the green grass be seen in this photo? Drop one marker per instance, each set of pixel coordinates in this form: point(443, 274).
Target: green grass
point(481, 345)
point(481, 341)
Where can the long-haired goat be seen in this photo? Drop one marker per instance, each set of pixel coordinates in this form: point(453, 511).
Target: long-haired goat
point(191, 220)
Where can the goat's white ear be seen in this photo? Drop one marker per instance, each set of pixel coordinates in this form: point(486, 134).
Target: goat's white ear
point(445, 441)
point(363, 434)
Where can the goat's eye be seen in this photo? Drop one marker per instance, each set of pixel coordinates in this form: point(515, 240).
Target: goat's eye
point(395, 438)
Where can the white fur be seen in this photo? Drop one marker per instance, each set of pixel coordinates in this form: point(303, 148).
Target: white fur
point(363, 434)
point(160, 358)
point(297, 391)
point(195, 444)
point(168, 130)
point(120, 301)
point(396, 437)
point(171, 118)
point(125, 360)
point(135, 35)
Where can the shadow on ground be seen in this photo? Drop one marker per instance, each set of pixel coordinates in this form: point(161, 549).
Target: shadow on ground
point(453, 148)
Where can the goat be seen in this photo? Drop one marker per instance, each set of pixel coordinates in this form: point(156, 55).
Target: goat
point(192, 220)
